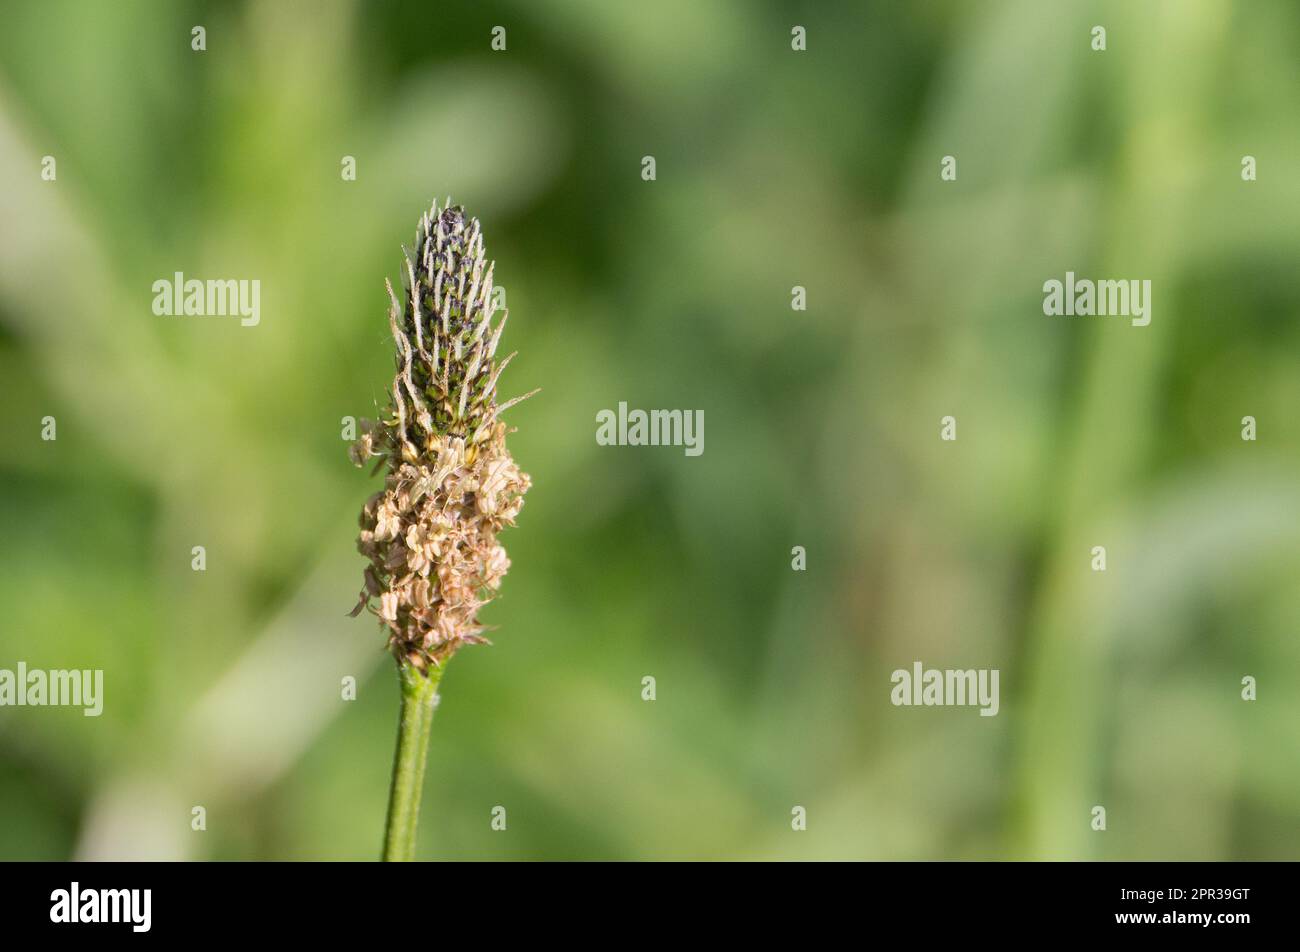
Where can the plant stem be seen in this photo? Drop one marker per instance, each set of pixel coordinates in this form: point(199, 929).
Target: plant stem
point(419, 698)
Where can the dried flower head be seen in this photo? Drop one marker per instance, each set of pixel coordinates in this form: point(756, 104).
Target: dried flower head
point(451, 484)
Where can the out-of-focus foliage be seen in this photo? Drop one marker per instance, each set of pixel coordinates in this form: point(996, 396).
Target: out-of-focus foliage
point(775, 169)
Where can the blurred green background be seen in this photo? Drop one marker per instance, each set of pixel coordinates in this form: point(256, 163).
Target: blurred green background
point(775, 168)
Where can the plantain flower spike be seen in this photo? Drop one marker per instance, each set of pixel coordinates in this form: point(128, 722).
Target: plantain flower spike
point(451, 484)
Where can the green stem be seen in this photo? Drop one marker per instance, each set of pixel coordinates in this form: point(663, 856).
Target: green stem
point(419, 698)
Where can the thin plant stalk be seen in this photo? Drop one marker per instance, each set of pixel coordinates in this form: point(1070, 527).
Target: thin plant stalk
point(419, 700)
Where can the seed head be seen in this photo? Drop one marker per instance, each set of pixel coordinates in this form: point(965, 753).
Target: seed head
point(451, 484)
